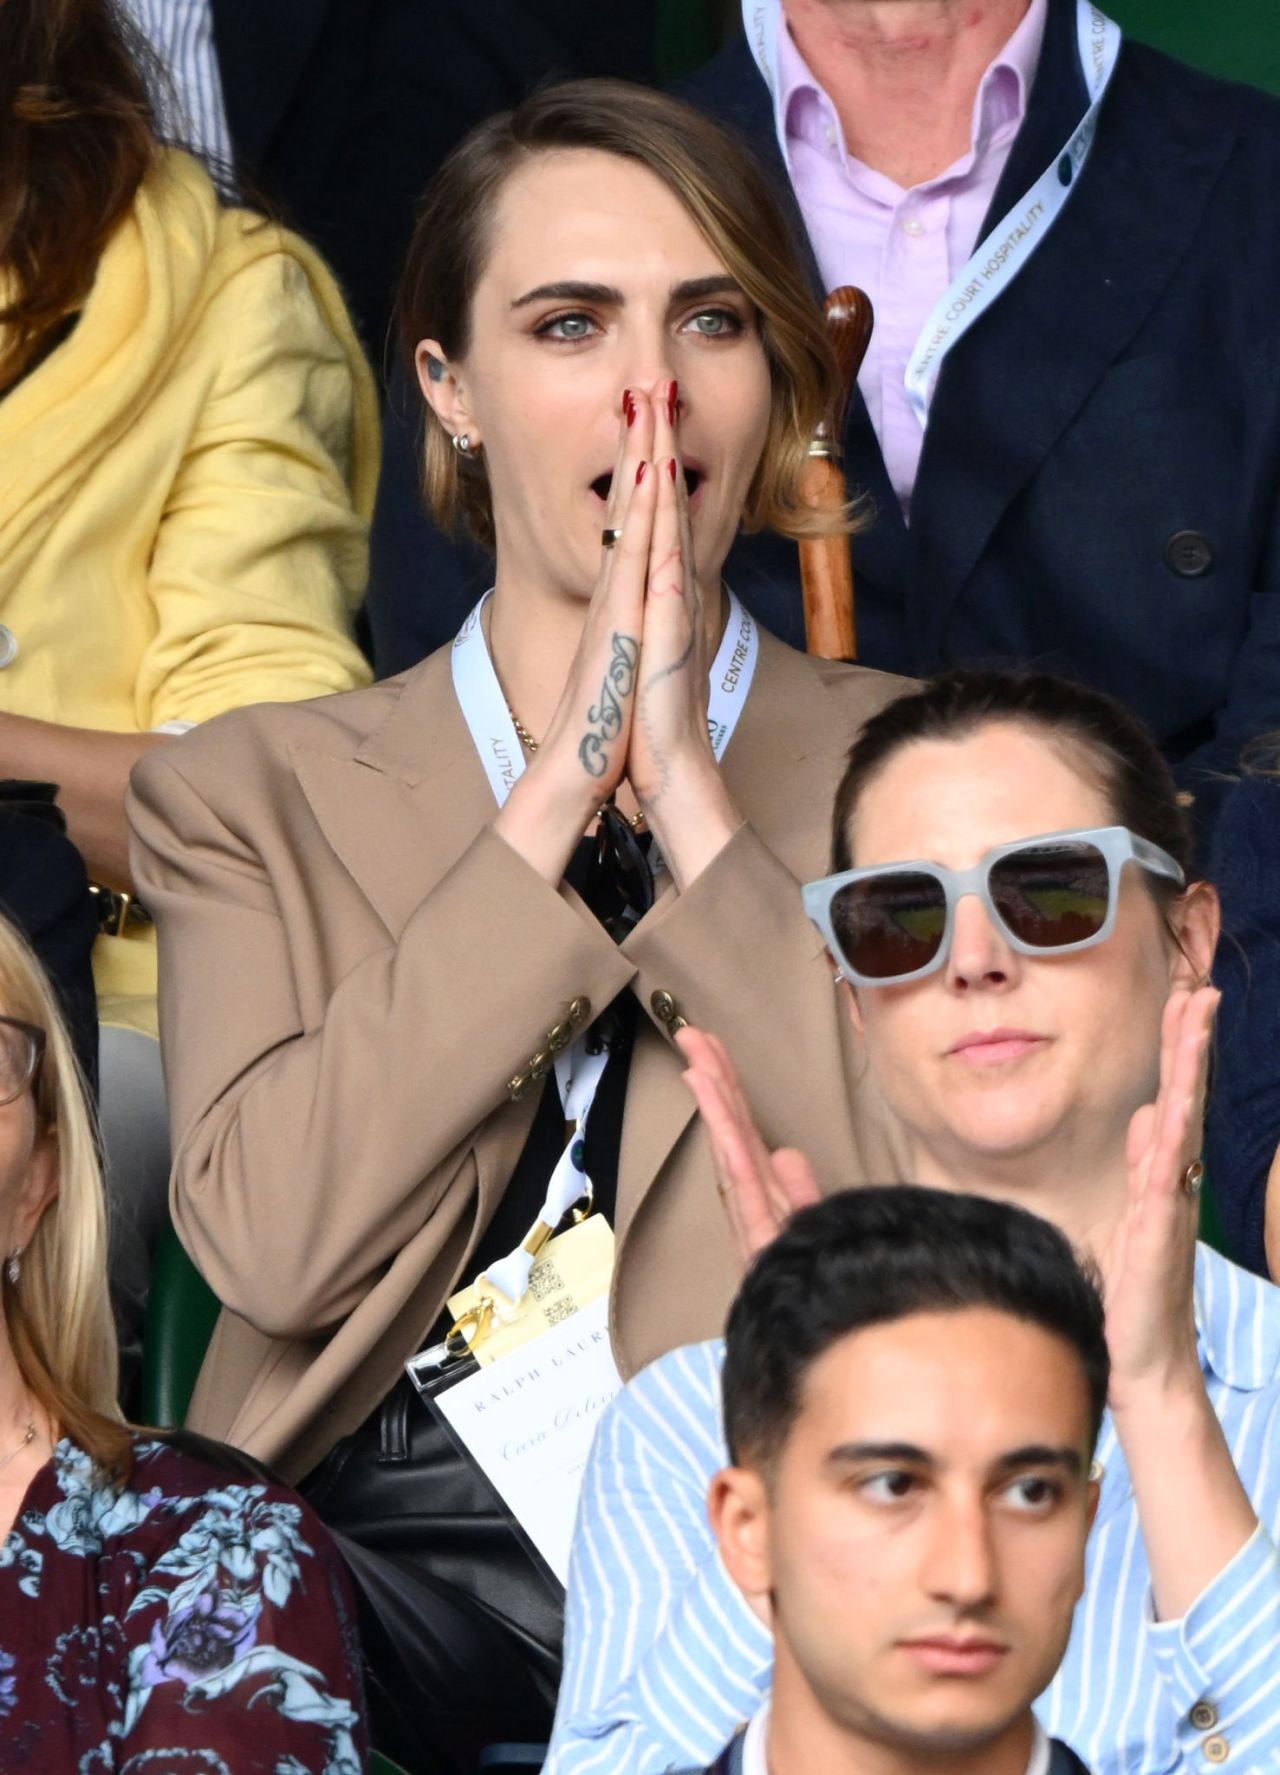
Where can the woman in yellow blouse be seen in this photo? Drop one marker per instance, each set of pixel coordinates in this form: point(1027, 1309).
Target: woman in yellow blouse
point(188, 449)
point(188, 457)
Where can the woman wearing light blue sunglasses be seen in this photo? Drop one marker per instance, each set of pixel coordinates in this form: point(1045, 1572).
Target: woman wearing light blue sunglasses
point(1026, 969)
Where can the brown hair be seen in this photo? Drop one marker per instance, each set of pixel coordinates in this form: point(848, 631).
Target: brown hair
point(1095, 730)
point(58, 1313)
point(77, 137)
point(729, 198)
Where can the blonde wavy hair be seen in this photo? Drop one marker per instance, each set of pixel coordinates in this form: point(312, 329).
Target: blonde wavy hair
point(731, 201)
point(59, 1314)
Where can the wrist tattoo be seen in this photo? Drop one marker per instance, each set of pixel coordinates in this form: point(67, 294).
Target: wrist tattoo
point(605, 717)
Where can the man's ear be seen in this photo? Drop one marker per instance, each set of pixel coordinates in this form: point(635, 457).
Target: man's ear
point(444, 391)
point(738, 1506)
point(1197, 918)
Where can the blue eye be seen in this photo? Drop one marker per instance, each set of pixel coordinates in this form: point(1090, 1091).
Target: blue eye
point(715, 323)
point(566, 326)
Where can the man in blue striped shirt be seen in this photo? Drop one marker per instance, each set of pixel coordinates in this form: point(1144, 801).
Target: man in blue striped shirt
point(664, 1660)
point(913, 1386)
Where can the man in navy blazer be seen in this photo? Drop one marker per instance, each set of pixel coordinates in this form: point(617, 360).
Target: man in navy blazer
point(1098, 484)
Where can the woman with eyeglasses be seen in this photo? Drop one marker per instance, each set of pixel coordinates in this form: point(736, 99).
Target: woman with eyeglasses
point(163, 1601)
point(424, 947)
point(1024, 962)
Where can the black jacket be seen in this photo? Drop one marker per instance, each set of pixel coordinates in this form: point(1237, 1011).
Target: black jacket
point(340, 110)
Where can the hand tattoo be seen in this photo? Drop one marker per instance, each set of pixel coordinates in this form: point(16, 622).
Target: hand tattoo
point(606, 716)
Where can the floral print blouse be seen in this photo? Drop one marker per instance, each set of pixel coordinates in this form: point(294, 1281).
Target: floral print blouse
point(198, 1622)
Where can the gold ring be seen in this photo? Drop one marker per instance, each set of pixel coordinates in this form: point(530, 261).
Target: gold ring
point(609, 537)
point(1193, 1177)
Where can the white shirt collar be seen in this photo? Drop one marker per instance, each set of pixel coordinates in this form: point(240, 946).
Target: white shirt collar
point(754, 1761)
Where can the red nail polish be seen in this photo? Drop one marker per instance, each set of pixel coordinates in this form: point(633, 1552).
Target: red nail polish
point(671, 467)
point(629, 406)
point(640, 472)
point(673, 402)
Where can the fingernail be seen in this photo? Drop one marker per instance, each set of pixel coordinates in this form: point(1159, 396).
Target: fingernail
point(673, 402)
point(640, 472)
point(671, 467)
point(629, 406)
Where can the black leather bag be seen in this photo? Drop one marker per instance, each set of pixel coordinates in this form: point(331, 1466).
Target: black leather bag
point(461, 1626)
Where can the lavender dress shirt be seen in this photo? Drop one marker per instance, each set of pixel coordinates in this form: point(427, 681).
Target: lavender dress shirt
point(902, 247)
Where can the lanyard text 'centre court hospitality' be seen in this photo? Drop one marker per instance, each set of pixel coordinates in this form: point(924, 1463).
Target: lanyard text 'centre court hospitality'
point(1009, 245)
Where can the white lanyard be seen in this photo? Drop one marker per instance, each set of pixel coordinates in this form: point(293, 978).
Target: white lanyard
point(1016, 236)
point(485, 711)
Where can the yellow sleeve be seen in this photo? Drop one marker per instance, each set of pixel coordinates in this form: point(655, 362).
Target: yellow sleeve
point(261, 557)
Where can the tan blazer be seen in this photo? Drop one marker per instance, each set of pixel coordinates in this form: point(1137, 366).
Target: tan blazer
point(356, 974)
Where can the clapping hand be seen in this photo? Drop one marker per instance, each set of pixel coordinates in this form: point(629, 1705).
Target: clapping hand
point(760, 1190)
point(1149, 1266)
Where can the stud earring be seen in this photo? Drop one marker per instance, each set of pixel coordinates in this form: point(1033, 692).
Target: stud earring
point(13, 1269)
point(462, 443)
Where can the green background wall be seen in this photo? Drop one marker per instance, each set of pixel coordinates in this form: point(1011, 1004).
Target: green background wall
point(1238, 38)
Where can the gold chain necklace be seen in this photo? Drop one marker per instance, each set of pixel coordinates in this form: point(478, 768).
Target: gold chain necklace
point(635, 821)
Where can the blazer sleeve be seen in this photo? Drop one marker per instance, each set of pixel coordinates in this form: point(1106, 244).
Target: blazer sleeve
point(262, 551)
point(310, 1150)
point(740, 957)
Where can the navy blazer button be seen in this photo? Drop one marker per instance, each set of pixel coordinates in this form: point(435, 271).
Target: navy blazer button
point(1189, 554)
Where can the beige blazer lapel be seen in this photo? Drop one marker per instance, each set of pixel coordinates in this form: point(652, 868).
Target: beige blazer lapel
point(398, 809)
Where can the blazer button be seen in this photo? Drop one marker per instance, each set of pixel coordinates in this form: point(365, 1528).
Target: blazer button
point(579, 1009)
point(540, 1065)
point(517, 1086)
point(1189, 554)
point(664, 1006)
point(1216, 1750)
point(1204, 1716)
point(666, 1011)
point(559, 1036)
point(8, 647)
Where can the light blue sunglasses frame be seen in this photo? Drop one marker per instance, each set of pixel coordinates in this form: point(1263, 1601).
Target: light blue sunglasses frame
point(1116, 844)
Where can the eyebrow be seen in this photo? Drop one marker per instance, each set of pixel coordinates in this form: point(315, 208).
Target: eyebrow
point(609, 296)
point(907, 1454)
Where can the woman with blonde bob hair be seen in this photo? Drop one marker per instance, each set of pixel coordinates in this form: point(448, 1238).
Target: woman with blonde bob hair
point(412, 936)
point(170, 1581)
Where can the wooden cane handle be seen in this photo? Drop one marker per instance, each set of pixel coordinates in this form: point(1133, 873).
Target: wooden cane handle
point(850, 318)
point(826, 566)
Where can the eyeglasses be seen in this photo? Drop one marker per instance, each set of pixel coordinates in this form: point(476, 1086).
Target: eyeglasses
point(1052, 894)
point(21, 1052)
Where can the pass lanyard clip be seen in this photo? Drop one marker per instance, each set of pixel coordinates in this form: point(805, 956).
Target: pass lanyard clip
point(1007, 247)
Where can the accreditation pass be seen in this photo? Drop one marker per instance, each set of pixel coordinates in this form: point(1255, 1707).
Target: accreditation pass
point(528, 1418)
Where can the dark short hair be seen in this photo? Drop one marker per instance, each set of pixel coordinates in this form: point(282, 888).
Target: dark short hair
point(1093, 729)
point(871, 1256)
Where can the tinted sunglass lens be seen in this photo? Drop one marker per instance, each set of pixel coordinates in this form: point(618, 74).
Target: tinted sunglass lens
point(890, 925)
point(1053, 895)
